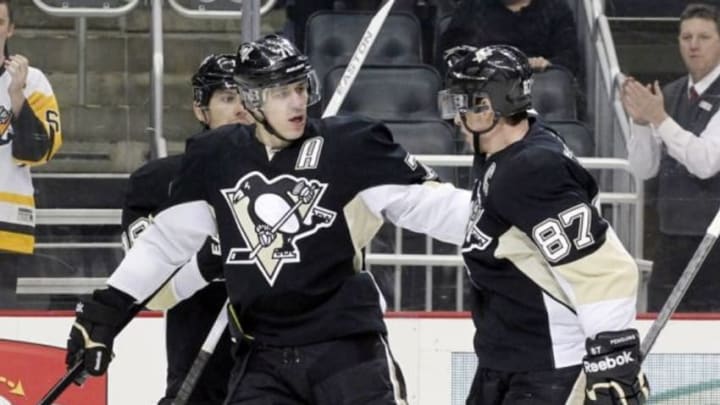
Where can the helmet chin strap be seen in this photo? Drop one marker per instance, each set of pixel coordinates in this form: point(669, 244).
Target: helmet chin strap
point(205, 124)
point(476, 134)
point(268, 127)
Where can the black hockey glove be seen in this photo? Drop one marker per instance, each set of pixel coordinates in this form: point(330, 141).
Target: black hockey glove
point(97, 322)
point(612, 368)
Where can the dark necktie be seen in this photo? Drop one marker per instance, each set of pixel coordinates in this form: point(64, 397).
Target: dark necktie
point(693, 96)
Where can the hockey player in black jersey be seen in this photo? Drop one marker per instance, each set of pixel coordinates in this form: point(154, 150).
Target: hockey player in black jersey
point(294, 201)
point(554, 290)
point(216, 102)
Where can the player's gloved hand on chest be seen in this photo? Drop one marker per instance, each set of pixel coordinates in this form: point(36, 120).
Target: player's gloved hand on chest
point(612, 367)
point(97, 322)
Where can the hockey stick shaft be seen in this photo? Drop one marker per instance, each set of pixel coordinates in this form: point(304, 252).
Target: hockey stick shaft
point(74, 373)
point(681, 287)
point(356, 62)
point(207, 349)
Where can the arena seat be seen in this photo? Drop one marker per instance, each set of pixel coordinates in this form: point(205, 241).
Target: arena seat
point(441, 26)
point(554, 95)
point(332, 36)
point(427, 137)
point(577, 136)
point(405, 92)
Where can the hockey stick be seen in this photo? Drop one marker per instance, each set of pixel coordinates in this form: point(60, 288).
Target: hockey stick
point(356, 62)
point(73, 374)
point(332, 108)
point(207, 349)
point(678, 292)
point(76, 373)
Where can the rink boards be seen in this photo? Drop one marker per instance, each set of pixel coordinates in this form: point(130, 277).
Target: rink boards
point(434, 350)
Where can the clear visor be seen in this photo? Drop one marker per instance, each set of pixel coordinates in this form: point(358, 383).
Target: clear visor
point(310, 86)
point(450, 103)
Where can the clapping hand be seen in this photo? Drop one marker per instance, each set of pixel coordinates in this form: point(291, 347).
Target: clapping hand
point(644, 104)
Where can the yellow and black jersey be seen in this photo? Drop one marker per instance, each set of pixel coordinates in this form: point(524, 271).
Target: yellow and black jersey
point(547, 269)
point(30, 137)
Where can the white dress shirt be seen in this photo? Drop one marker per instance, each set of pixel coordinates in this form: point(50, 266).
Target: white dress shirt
point(699, 154)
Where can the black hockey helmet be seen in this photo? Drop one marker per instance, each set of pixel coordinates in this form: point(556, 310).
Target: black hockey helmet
point(272, 61)
point(501, 73)
point(215, 72)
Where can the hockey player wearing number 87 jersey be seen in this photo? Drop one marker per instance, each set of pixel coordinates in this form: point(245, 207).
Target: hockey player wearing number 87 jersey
point(554, 291)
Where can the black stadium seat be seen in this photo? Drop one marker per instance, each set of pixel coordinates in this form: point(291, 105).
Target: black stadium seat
point(441, 26)
point(332, 36)
point(554, 94)
point(428, 137)
point(577, 136)
point(407, 92)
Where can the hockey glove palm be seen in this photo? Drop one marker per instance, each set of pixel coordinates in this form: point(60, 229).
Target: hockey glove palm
point(612, 368)
point(97, 321)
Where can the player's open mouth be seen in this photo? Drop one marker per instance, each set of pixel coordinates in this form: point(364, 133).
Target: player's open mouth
point(297, 120)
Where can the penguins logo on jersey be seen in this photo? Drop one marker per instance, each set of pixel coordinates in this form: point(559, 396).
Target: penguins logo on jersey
point(272, 215)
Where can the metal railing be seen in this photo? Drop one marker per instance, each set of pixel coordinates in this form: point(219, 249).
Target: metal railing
point(605, 111)
point(251, 13)
point(74, 285)
point(218, 14)
point(68, 10)
point(81, 15)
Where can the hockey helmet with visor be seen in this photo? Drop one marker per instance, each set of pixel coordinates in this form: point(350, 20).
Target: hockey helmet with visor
point(500, 73)
point(270, 62)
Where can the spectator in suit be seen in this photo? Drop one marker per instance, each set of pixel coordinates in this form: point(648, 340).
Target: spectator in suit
point(676, 141)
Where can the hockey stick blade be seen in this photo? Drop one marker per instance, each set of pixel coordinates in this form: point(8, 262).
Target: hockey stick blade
point(208, 347)
point(73, 374)
point(678, 292)
point(356, 62)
